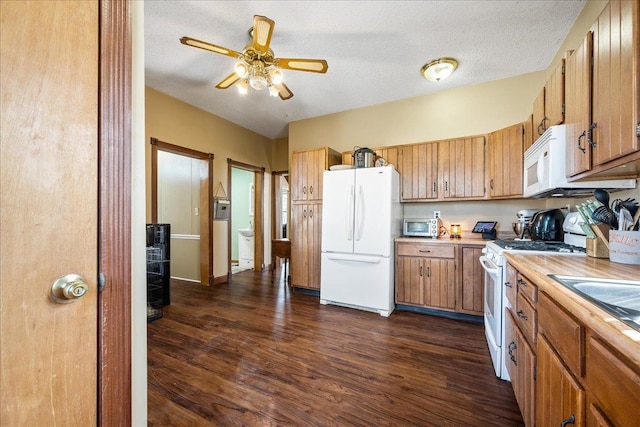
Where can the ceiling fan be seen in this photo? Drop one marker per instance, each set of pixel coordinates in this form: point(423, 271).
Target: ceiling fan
point(256, 66)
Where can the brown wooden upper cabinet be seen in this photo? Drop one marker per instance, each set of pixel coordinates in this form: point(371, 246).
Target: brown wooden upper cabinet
point(390, 154)
point(461, 167)
point(418, 168)
point(505, 162)
point(603, 116)
point(578, 107)
point(529, 135)
point(306, 172)
point(548, 107)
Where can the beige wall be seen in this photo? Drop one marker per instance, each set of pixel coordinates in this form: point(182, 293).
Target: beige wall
point(178, 123)
point(280, 155)
point(470, 110)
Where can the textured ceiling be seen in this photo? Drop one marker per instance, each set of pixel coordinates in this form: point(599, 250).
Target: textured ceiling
point(375, 50)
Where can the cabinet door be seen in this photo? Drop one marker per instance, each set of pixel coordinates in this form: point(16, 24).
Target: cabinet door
point(298, 176)
point(306, 235)
point(554, 96)
point(511, 341)
point(306, 174)
point(578, 107)
point(419, 171)
point(390, 154)
point(506, 162)
point(616, 81)
point(440, 283)
point(347, 158)
point(526, 394)
point(461, 167)
point(539, 125)
point(314, 240)
point(299, 245)
point(471, 282)
point(409, 281)
point(561, 395)
point(529, 135)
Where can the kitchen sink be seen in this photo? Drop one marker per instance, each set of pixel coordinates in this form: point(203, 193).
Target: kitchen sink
point(621, 298)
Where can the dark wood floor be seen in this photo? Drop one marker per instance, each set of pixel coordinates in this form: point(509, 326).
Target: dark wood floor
point(252, 354)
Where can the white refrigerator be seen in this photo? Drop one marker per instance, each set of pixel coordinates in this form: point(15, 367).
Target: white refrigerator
point(361, 217)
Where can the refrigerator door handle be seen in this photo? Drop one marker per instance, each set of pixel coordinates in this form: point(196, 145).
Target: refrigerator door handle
point(360, 219)
point(349, 215)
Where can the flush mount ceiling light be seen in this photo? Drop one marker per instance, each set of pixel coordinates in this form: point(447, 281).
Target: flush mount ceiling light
point(256, 66)
point(439, 69)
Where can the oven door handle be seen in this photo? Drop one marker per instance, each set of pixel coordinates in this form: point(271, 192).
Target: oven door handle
point(488, 266)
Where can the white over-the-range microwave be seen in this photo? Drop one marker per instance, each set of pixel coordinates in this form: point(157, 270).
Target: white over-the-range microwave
point(545, 170)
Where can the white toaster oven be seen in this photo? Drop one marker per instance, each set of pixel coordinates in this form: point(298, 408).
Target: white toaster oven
point(421, 227)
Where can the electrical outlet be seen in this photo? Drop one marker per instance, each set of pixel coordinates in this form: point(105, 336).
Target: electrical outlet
point(436, 214)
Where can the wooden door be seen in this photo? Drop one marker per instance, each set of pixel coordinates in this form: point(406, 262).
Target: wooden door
point(419, 171)
point(49, 212)
point(615, 75)
point(409, 283)
point(563, 395)
point(440, 283)
point(539, 119)
point(529, 135)
point(554, 96)
point(506, 162)
point(299, 245)
point(578, 107)
point(470, 293)
point(461, 166)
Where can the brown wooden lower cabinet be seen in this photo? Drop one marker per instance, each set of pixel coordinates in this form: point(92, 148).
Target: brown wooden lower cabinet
point(521, 365)
point(561, 397)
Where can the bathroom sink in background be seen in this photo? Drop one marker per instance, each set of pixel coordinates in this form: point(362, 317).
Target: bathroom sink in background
point(246, 232)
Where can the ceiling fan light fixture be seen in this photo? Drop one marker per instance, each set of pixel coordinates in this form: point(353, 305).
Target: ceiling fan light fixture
point(273, 91)
point(276, 76)
point(243, 87)
point(241, 69)
point(258, 82)
point(439, 69)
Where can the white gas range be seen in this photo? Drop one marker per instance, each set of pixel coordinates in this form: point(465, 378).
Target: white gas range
point(495, 299)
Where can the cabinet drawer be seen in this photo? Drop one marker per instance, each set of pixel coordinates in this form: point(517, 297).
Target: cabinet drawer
point(526, 318)
point(563, 332)
point(426, 250)
point(527, 287)
point(615, 384)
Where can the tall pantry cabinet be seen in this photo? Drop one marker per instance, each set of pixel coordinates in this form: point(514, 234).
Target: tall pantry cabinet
point(306, 213)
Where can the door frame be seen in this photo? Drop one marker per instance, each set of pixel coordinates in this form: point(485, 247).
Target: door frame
point(206, 182)
point(258, 214)
point(114, 213)
point(275, 203)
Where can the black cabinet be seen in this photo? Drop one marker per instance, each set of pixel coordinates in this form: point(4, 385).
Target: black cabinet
point(158, 269)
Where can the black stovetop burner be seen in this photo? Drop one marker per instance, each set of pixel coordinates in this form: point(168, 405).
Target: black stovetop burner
point(538, 245)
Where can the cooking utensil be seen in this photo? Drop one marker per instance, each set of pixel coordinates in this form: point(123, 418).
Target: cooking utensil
point(630, 204)
point(625, 220)
point(602, 196)
point(604, 215)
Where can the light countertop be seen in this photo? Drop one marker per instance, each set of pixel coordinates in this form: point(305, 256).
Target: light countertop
point(537, 267)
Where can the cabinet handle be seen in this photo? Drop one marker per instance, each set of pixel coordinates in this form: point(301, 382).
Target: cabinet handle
point(311, 189)
point(435, 188)
point(491, 184)
point(541, 127)
point(522, 283)
point(428, 271)
point(304, 189)
point(570, 420)
point(420, 271)
point(310, 213)
point(521, 315)
point(590, 140)
point(446, 186)
point(304, 214)
point(580, 147)
point(508, 284)
point(512, 348)
point(424, 251)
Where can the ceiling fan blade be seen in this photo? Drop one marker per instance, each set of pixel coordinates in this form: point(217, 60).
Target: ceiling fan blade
point(262, 32)
point(283, 91)
point(312, 65)
point(210, 47)
point(228, 81)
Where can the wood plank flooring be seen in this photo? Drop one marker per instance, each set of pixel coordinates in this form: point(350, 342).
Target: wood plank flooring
point(250, 353)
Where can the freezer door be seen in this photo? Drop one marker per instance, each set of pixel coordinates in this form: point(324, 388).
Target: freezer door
point(373, 211)
point(362, 282)
point(338, 206)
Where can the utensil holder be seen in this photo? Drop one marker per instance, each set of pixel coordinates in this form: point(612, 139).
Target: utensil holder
point(596, 248)
point(624, 247)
